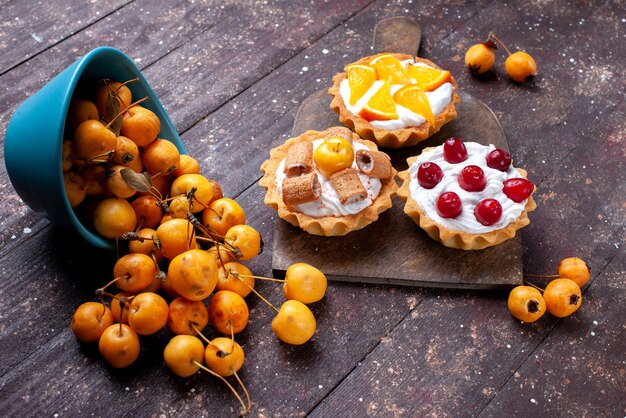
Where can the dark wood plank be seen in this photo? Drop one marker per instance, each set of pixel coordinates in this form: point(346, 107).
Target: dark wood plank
point(216, 67)
point(114, 384)
point(397, 34)
point(29, 27)
point(357, 320)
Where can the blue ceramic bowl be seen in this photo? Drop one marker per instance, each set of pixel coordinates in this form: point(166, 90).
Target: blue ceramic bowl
point(34, 136)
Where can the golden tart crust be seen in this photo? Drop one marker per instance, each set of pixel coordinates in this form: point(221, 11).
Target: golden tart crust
point(458, 239)
point(327, 225)
point(396, 138)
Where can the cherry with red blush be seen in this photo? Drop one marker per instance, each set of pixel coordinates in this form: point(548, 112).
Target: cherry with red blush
point(449, 205)
point(488, 211)
point(518, 189)
point(454, 150)
point(472, 179)
point(429, 175)
point(499, 159)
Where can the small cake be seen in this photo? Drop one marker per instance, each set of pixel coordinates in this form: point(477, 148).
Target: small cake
point(395, 100)
point(466, 195)
point(328, 183)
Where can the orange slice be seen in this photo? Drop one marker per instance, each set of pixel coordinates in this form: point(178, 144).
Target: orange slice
point(428, 78)
point(380, 106)
point(360, 79)
point(413, 98)
point(389, 68)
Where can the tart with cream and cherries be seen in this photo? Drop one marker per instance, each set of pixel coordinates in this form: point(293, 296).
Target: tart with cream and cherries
point(395, 100)
point(466, 195)
point(328, 183)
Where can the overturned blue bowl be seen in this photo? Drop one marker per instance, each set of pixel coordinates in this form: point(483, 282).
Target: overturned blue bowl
point(34, 137)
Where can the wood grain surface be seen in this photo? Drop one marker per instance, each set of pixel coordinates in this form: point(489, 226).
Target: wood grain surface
point(232, 75)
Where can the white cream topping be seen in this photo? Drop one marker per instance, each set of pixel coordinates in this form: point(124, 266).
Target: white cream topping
point(328, 204)
point(438, 100)
point(466, 221)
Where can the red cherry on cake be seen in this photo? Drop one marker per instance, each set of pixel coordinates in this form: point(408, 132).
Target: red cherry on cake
point(488, 211)
point(499, 159)
point(449, 205)
point(518, 189)
point(429, 175)
point(454, 150)
point(472, 179)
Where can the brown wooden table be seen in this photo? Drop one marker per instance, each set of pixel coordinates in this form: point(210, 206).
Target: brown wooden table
point(231, 75)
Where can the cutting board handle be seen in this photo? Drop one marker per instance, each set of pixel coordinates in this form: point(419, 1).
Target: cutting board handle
point(397, 34)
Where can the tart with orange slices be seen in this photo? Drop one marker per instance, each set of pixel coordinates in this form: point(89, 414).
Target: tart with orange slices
point(395, 100)
point(328, 183)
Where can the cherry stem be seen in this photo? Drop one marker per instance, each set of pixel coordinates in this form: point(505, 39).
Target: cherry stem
point(236, 275)
point(544, 276)
point(236, 252)
point(207, 239)
point(232, 389)
point(201, 335)
point(269, 279)
point(532, 285)
point(104, 308)
point(132, 80)
point(492, 35)
point(219, 256)
point(126, 276)
point(108, 125)
point(243, 387)
point(159, 196)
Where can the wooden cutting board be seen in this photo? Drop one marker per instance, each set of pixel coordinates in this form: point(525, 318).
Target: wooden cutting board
point(394, 249)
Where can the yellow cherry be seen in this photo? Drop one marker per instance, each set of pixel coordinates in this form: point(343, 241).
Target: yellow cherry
point(294, 323)
point(479, 58)
point(526, 303)
point(520, 67)
point(332, 155)
point(562, 297)
point(575, 269)
point(305, 283)
point(183, 355)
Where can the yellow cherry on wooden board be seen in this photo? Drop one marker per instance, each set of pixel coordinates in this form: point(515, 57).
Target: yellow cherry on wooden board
point(333, 155)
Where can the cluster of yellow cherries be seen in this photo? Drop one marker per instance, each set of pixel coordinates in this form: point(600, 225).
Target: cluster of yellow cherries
point(185, 245)
point(519, 65)
point(561, 297)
